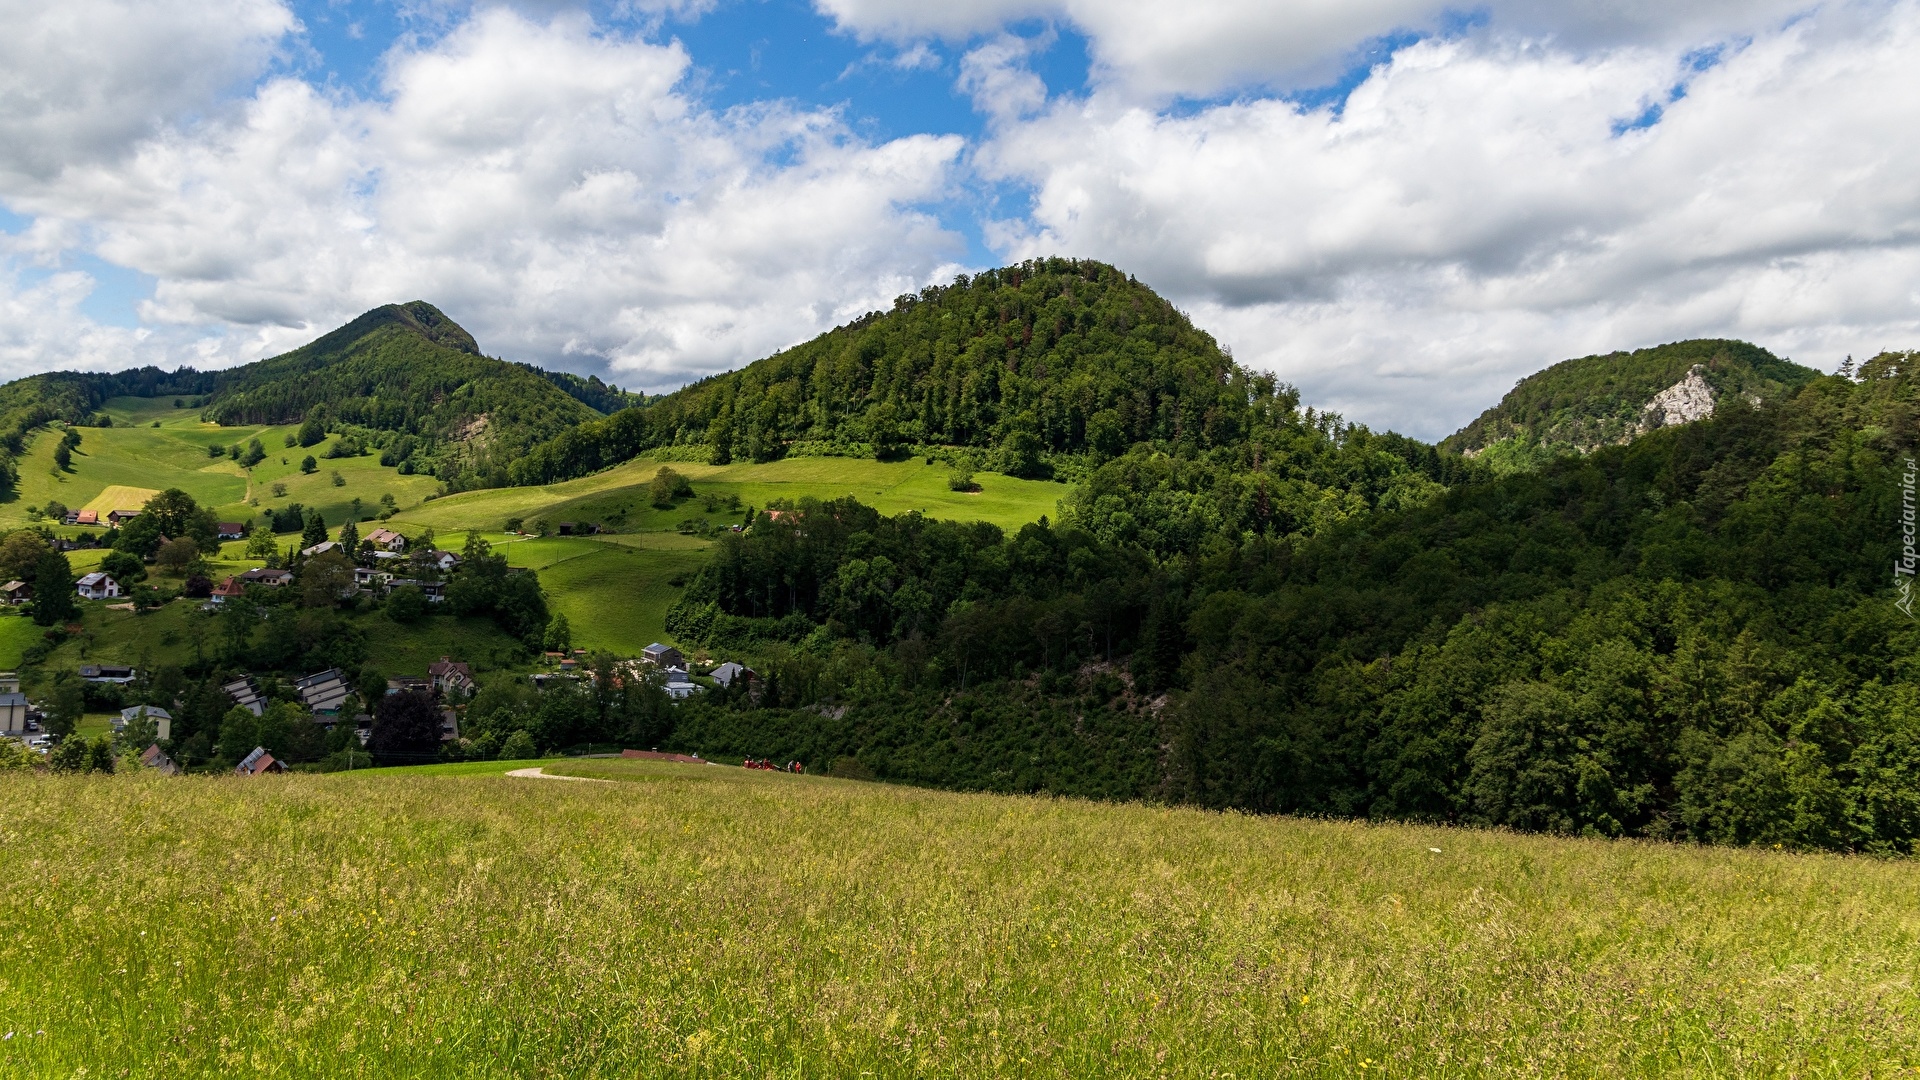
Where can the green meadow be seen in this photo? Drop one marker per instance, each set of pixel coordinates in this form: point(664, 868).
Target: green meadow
point(614, 588)
point(709, 921)
point(892, 487)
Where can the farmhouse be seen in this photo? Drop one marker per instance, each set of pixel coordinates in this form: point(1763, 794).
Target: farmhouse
point(160, 717)
point(229, 589)
point(258, 762)
point(323, 548)
point(232, 530)
point(267, 576)
point(83, 517)
point(106, 673)
point(97, 586)
point(384, 539)
point(121, 517)
point(15, 593)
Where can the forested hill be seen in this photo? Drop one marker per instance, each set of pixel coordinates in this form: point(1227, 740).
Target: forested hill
point(1697, 635)
point(1596, 401)
point(407, 368)
point(1050, 361)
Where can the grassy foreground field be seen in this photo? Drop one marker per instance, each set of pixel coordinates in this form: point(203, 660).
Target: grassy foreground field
point(707, 921)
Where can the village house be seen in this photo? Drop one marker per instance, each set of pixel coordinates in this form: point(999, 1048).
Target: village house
point(106, 673)
point(679, 685)
point(231, 530)
point(450, 675)
point(384, 539)
point(323, 548)
point(161, 718)
point(665, 656)
point(15, 593)
point(97, 586)
point(257, 763)
point(325, 693)
point(230, 589)
point(267, 576)
point(444, 560)
point(435, 591)
point(729, 671)
point(121, 517)
point(368, 578)
point(246, 694)
point(82, 517)
point(157, 759)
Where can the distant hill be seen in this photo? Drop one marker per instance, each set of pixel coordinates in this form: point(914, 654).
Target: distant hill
point(407, 368)
point(1057, 357)
point(1596, 401)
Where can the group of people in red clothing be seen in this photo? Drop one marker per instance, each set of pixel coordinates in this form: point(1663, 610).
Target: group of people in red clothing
point(764, 763)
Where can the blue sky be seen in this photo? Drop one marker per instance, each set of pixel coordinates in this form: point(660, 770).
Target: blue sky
point(1401, 206)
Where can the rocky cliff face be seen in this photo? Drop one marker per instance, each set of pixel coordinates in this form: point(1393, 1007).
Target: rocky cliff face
point(1684, 402)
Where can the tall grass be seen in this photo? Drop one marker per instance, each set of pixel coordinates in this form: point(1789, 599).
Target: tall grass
point(710, 921)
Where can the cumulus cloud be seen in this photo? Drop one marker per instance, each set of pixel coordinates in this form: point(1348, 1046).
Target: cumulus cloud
point(1481, 207)
point(542, 181)
point(81, 80)
point(1152, 48)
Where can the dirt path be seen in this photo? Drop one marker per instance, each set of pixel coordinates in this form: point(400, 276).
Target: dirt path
point(537, 773)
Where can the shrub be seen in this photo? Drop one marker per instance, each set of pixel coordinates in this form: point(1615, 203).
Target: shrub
point(518, 747)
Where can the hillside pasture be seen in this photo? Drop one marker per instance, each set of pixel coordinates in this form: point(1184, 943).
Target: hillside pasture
point(619, 496)
point(614, 594)
point(113, 467)
point(699, 920)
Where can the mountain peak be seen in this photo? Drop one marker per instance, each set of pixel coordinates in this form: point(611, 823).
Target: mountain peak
point(417, 316)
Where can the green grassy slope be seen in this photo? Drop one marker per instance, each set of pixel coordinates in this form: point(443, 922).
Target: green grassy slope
point(893, 487)
point(135, 454)
point(708, 921)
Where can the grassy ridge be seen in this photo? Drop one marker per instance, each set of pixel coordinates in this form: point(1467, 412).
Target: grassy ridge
point(709, 921)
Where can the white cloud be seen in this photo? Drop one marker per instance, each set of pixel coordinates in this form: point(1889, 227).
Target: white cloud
point(80, 80)
point(1472, 214)
point(1150, 48)
point(542, 182)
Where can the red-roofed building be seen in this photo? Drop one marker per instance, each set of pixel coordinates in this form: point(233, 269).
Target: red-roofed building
point(228, 590)
point(258, 762)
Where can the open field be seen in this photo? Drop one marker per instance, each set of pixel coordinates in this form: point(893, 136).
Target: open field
point(892, 487)
point(709, 921)
point(614, 594)
point(113, 465)
point(16, 633)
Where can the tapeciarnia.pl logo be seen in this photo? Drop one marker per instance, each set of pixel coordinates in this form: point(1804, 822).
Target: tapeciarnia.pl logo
point(1903, 567)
